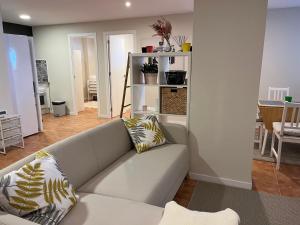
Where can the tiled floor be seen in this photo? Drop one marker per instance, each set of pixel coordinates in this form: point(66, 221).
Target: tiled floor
point(284, 182)
point(91, 104)
point(55, 129)
point(184, 194)
point(265, 177)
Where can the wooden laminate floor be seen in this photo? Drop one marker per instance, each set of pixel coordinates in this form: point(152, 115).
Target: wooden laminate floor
point(265, 178)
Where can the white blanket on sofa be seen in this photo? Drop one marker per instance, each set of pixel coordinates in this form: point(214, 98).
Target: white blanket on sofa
point(175, 214)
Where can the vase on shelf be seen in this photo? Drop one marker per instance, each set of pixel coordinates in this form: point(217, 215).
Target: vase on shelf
point(168, 48)
point(150, 71)
point(150, 78)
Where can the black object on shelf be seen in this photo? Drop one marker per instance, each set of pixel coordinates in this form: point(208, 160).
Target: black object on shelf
point(176, 77)
point(144, 49)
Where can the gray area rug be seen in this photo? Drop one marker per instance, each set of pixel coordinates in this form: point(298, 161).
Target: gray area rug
point(290, 153)
point(254, 208)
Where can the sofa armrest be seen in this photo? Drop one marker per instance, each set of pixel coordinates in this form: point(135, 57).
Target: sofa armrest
point(175, 133)
point(8, 219)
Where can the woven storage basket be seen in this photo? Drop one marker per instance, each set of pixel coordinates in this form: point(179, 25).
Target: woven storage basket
point(173, 100)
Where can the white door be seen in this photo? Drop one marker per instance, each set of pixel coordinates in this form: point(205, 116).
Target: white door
point(119, 46)
point(20, 69)
point(78, 73)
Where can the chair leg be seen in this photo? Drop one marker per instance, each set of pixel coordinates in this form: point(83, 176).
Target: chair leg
point(279, 153)
point(265, 142)
point(272, 145)
point(260, 136)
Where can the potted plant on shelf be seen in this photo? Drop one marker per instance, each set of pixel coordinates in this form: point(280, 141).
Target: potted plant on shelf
point(150, 71)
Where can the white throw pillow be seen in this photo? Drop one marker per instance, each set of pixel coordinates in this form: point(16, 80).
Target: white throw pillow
point(175, 214)
point(38, 191)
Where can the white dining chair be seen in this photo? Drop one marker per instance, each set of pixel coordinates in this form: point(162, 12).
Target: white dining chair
point(288, 130)
point(278, 94)
point(258, 137)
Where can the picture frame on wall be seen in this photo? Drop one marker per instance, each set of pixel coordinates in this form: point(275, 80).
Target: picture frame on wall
point(42, 71)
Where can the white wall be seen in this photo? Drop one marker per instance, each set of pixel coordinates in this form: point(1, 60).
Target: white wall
point(91, 57)
point(79, 43)
point(281, 60)
point(52, 45)
point(6, 95)
point(227, 55)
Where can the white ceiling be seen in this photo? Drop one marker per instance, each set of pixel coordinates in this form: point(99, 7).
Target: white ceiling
point(71, 11)
point(274, 4)
point(44, 12)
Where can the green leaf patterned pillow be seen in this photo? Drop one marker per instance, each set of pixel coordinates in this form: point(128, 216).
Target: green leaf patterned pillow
point(145, 132)
point(38, 191)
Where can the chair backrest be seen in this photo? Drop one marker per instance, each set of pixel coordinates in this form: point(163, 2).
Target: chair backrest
point(278, 94)
point(290, 121)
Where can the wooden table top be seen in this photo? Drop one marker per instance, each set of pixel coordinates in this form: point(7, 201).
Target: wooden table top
point(270, 103)
point(271, 111)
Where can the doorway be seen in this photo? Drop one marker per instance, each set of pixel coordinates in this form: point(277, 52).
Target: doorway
point(118, 44)
point(84, 72)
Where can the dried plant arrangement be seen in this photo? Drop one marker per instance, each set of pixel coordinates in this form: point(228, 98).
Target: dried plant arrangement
point(163, 29)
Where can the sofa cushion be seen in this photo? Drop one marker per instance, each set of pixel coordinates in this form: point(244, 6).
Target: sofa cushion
point(84, 155)
point(144, 132)
point(109, 142)
point(9, 219)
point(175, 133)
point(76, 158)
point(152, 177)
point(93, 209)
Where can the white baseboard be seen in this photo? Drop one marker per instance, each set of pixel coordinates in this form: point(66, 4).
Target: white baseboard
point(73, 113)
point(106, 116)
point(221, 180)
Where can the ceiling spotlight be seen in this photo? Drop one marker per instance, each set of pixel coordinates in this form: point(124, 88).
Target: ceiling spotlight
point(127, 4)
point(25, 17)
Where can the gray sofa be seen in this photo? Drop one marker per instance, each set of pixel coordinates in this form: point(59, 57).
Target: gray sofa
point(115, 184)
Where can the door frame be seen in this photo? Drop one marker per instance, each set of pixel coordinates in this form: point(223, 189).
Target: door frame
point(35, 84)
point(74, 110)
point(106, 67)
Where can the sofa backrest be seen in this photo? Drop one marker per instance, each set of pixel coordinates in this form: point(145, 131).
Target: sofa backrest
point(109, 142)
point(84, 155)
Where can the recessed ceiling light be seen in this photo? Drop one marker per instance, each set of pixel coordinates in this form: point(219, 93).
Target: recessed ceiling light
point(127, 4)
point(25, 17)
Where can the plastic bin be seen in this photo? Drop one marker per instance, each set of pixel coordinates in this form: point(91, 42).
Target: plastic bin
point(59, 108)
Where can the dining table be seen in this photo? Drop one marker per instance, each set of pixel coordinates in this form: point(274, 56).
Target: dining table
point(270, 111)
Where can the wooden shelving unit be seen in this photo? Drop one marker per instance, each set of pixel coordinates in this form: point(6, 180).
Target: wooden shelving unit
point(150, 94)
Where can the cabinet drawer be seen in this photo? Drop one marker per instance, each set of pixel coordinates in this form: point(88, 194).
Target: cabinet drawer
point(10, 123)
point(13, 141)
point(11, 132)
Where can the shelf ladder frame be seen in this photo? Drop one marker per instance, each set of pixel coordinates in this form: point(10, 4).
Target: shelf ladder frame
point(125, 87)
